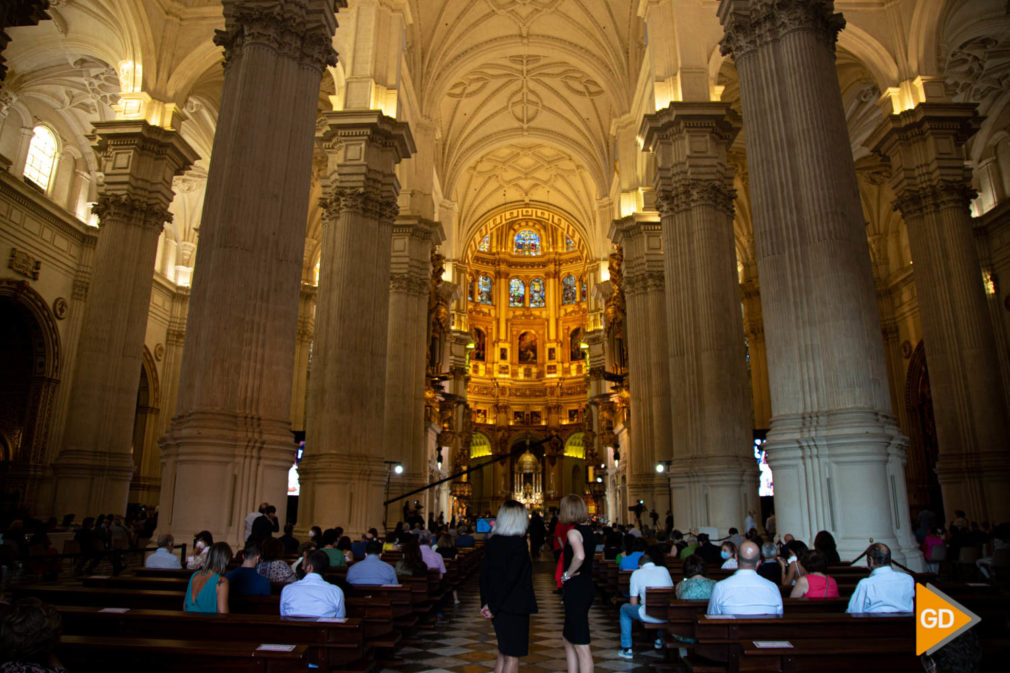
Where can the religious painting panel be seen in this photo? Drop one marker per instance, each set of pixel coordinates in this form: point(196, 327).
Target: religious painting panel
point(526, 242)
point(479, 345)
point(528, 347)
point(575, 345)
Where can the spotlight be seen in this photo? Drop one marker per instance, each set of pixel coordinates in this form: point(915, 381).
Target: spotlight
point(660, 468)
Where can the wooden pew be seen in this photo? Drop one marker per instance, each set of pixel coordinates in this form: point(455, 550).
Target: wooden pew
point(331, 645)
point(895, 655)
point(102, 654)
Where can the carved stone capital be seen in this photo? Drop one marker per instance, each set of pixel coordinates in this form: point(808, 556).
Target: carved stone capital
point(131, 210)
point(644, 282)
point(369, 201)
point(917, 200)
point(752, 24)
point(685, 194)
point(296, 29)
point(414, 285)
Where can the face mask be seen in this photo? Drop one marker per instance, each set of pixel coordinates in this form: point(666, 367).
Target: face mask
point(792, 559)
point(724, 554)
point(200, 544)
point(311, 534)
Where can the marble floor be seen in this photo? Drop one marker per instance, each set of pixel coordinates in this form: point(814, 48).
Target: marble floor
point(465, 642)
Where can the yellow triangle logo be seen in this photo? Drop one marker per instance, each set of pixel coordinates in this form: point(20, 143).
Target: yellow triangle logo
point(938, 619)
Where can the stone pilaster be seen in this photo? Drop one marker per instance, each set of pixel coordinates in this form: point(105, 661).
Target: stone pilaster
point(138, 160)
point(932, 186)
point(750, 291)
point(303, 349)
point(713, 475)
point(640, 238)
point(837, 453)
point(409, 285)
point(343, 473)
point(230, 443)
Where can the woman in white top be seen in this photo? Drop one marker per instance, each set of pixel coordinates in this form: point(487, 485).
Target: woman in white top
point(728, 553)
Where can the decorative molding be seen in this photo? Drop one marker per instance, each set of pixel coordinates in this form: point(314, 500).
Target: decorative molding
point(159, 352)
point(131, 210)
point(289, 28)
point(368, 201)
point(917, 200)
point(60, 308)
point(687, 193)
point(23, 263)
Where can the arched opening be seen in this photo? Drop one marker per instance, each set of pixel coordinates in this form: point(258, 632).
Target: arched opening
point(146, 483)
point(29, 367)
point(920, 473)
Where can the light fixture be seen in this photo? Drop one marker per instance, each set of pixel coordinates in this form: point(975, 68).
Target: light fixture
point(438, 457)
point(398, 468)
point(660, 468)
point(641, 502)
point(599, 480)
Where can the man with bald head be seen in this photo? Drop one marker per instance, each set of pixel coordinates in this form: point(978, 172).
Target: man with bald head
point(745, 592)
point(885, 590)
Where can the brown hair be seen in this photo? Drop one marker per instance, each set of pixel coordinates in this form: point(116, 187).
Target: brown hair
point(573, 509)
point(29, 631)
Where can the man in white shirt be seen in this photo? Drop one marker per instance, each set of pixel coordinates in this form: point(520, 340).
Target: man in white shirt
point(164, 558)
point(885, 590)
point(745, 592)
point(648, 576)
point(313, 596)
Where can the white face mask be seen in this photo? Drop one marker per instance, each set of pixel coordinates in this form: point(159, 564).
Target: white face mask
point(312, 534)
point(200, 544)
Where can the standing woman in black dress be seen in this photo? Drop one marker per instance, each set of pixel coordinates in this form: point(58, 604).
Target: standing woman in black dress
point(578, 588)
point(506, 585)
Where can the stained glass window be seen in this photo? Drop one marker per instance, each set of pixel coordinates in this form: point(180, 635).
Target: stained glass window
point(568, 295)
point(485, 243)
point(517, 292)
point(569, 244)
point(41, 157)
point(485, 295)
point(537, 292)
point(585, 294)
point(526, 243)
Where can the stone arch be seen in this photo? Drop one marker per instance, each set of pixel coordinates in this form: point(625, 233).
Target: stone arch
point(26, 458)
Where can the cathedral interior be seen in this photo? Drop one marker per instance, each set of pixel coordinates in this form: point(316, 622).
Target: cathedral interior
point(628, 249)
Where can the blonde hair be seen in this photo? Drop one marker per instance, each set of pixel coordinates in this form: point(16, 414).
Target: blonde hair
point(573, 509)
point(218, 558)
point(512, 519)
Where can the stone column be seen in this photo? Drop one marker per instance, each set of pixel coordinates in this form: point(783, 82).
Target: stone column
point(303, 350)
point(750, 290)
point(343, 474)
point(640, 238)
point(230, 444)
point(406, 357)
point(714, 475)
point(837, 453)
point(94, 469)
point(932, 185)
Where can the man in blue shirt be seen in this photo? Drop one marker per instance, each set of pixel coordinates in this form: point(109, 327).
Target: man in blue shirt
point(465, 539)
point(885, 590)
point(164, 558)
point(630, 560)
point(244, 580)
point(313, 596)
point(372, 569)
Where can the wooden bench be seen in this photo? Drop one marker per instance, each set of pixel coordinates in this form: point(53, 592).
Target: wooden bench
point(826, 655)
point(101, 654)
point(331, 645)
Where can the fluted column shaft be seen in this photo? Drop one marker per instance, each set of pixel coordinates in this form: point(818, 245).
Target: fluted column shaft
point(139, 161)
point(303, 350)
point(406, 360)
point(343, 473)
point(230, 445)
point(640, 238)
point(758, 362)
point(932, 185)
point(837, 453)
point(713, 473)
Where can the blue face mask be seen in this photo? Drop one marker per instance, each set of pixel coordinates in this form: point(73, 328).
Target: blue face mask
point(724, 554)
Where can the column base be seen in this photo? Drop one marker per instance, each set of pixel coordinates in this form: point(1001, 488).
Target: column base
point(217, 467)
point(345, 490)
point(713, 491)
point(844, 472)
point(91, 482)
point(976, 483)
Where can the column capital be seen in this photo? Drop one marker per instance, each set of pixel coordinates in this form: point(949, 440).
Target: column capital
point(924, 147)
point(296, 29)
point(691, 143)
point(138, 162)
point(751, 24)
point(362, 149)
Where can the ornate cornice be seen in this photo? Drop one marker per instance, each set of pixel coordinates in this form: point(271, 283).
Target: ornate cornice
point(752, 24)
point(294, 29)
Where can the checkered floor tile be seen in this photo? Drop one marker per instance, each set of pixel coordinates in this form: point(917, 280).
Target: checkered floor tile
point(465, 642)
